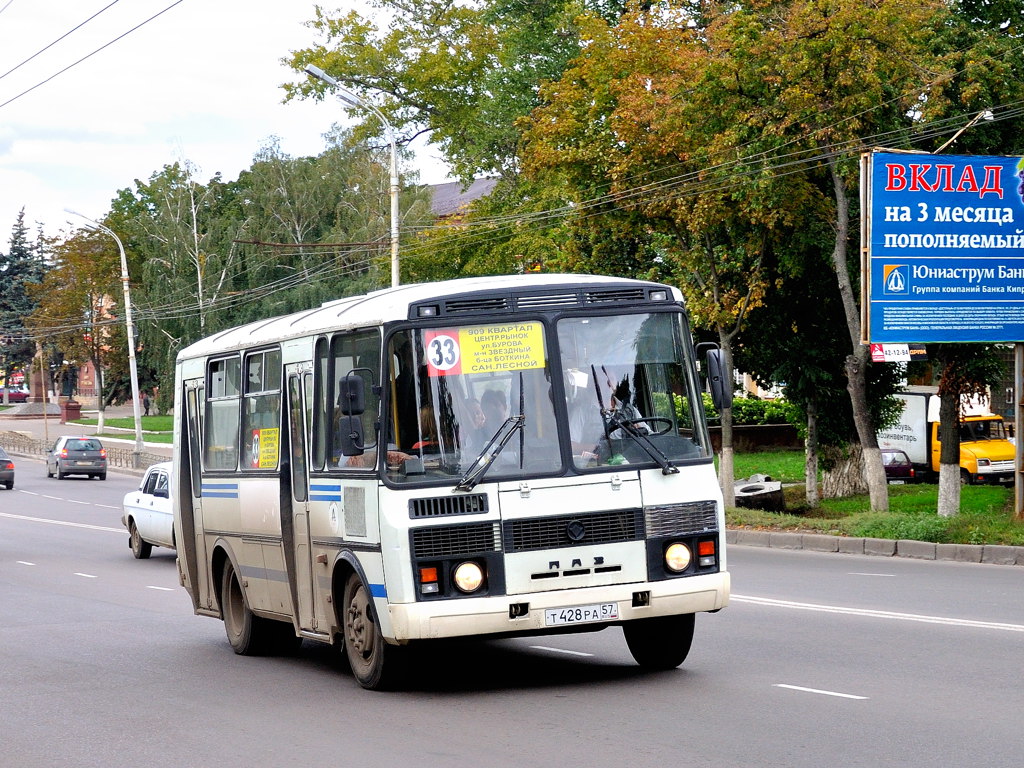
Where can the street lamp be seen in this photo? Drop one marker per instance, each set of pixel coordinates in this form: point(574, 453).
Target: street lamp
point(354, 101)
point(130, 329)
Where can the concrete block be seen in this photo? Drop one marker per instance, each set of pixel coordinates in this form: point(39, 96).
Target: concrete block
point(962, 553)
point(922, 550)
point(753, 538)
point(882, 547)
point(850, 545)
point(999, 555)
point(786, 540)
point(819, 542)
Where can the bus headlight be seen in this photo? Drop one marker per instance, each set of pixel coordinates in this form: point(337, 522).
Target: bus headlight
point(677, 557)
point(468, 576)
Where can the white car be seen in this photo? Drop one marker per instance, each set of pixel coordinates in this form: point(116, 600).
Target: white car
point(147, 512)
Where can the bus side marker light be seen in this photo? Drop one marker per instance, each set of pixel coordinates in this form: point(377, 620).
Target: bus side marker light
point(706, 551)
point(428, 581)
point(677, 557)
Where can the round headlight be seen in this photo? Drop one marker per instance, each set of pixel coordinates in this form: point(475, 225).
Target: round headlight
point(468, 576)
point(677, 557)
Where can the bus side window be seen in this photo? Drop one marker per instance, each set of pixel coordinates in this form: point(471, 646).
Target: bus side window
point(357, 354)
point(220, 449)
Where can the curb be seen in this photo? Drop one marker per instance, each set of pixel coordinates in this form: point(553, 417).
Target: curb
point(993, 554)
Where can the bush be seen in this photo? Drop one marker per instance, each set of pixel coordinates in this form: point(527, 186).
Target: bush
point(752, 410)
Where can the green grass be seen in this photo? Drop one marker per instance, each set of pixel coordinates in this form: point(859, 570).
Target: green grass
point(985, 517)
point(155, 429)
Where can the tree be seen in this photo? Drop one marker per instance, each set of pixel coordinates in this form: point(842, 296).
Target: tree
point(20, 268)
point(968, 370)
point(464, 73)
point(76, 302)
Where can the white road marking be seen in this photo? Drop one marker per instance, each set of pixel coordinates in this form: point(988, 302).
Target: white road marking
point(62, 522)
point(86, 575)
point(560, 650)
point(24, 562)
point(882, 575)
point(823, 693)
point(892, 615)
point(161, 589)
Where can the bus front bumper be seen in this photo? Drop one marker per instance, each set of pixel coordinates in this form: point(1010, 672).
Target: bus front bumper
point(526, 614)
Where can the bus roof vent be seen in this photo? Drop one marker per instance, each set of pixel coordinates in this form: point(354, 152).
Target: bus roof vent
point(442, 506)
point(482, 304)
point(605, 295)
point(547, 301)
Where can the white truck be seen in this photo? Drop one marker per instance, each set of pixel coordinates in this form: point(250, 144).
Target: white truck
point(986, 455)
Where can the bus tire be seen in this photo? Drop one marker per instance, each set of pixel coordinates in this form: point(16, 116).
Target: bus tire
point(371, 659)
point(141, 549)
point(662, 642)
point(240, 624)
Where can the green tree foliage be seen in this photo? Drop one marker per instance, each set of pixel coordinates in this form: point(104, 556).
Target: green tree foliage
point(462, 72)
point(20, 268)
point(289, 234)
point(75, 301)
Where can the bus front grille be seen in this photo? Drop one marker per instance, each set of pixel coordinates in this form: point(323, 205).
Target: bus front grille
point(442, 506)
point(673, 519)
point(573, 530)
point(455, 540)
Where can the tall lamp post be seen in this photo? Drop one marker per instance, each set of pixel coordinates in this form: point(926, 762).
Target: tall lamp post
point(354, 101)
point(130, 329)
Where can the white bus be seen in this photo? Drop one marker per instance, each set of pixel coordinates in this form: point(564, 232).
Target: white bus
point(489, 456)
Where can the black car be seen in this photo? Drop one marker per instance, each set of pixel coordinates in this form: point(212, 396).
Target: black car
point(77, 456)
point(6, 470)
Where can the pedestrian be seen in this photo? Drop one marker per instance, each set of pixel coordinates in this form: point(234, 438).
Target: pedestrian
point(145, 403)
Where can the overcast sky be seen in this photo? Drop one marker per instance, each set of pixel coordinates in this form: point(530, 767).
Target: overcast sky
point(200, 82)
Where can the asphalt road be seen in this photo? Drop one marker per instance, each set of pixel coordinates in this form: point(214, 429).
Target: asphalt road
point(821, 660)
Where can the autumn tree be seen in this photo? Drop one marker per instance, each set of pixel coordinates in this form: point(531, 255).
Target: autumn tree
point(76, 302)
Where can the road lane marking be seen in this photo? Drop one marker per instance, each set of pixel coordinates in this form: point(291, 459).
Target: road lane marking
point(161, 589)
point(62, 522)
point(24, 562)
point(821, 692)
point(560, 650)
point(86, 575)
point(873, 614)
point(880, 575)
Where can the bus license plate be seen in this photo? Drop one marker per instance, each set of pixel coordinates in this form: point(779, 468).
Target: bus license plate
point(581, 614)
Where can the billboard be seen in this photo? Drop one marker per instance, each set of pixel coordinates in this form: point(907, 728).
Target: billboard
point(942, 241)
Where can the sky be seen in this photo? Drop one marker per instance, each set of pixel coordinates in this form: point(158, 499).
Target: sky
point(200, 82)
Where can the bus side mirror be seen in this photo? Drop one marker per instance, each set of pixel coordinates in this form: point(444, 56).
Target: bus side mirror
point(349, 433)
point(719, 381)
point(352, 395)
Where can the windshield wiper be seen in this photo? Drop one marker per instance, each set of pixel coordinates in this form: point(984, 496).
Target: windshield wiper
point(494, 446)
point(618, 420)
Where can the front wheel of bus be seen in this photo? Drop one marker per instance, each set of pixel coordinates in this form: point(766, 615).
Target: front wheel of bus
point(660, 643)
point(370, 658)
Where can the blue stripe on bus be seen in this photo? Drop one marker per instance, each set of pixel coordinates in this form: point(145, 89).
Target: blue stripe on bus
point(324, 497)
point(378, 590)
point(219, 490)
point(324, 487)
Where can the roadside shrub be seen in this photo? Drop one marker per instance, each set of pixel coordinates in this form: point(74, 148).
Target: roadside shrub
point(752, 410)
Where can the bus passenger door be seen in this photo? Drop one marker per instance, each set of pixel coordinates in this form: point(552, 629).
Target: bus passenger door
point(300, 392)
point(192, 547)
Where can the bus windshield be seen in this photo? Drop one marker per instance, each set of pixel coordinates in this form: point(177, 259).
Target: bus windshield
point(452, 390)
point(621, 379)
point(628, 396)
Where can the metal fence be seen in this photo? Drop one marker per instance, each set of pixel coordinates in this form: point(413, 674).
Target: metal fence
point(23, 445)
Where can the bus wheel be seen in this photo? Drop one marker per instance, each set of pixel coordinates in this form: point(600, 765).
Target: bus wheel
point(368, 655)
point(141, 549)
point(660, 643)
point(240, 624)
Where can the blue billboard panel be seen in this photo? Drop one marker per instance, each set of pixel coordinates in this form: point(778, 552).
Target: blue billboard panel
point(943, 238)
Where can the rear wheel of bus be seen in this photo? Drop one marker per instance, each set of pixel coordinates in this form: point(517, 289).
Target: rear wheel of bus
point(660, 643)
point(372, 660)
point(248, 634)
